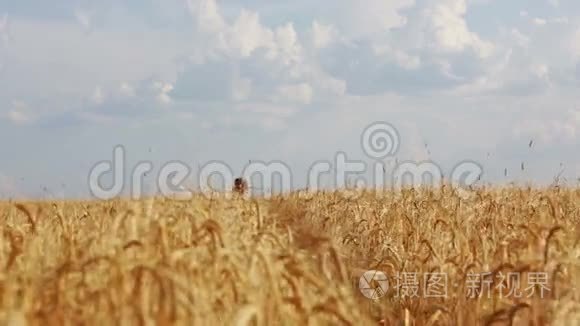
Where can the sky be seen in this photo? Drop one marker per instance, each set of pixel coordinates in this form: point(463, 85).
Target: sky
point(291, 81)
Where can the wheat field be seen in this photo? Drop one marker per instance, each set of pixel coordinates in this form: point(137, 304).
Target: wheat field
point(294, 259)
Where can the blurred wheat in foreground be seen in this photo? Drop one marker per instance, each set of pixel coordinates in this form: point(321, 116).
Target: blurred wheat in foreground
point(290, 260)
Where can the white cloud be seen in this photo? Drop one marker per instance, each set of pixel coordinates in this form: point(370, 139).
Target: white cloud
point(451, 31)
point(56, 57)
point(541, 70)
point(561, 20)
point(361, 19)
point(402, 59)
point(447, 70)
point(83, 18)
point(323, 35)
point(267, 116)
point(244, 35)
point(271, 123)
point(163, 89)
point(98, 97)
point(207, 14)
point(19, 118)
point(539, 21)
point(300, 93)
point(266, 108)
point(509, 77)
point(125, 89)
point(521, 39)
point(247, 34)
point(329, 85)
point(549, 130)
point(287, 45)
point(242, 89)
point(282, 70)
point(19, 114)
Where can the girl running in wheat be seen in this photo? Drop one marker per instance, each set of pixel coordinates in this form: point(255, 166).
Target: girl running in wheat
point(240, 186)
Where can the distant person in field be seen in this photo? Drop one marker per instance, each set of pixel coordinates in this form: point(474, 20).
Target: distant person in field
point(240, 186)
